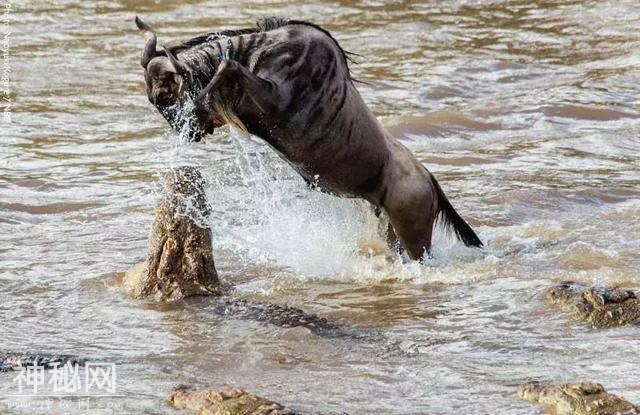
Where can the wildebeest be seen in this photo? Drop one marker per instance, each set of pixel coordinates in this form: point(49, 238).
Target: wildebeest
point(288, 82)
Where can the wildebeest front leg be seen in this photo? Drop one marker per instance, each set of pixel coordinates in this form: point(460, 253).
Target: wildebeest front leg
point(263, 92)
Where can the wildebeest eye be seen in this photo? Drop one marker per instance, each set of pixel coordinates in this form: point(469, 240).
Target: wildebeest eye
point(168, 77)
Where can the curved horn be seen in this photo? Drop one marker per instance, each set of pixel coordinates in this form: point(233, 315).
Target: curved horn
point(177, 65)
point(150, 44)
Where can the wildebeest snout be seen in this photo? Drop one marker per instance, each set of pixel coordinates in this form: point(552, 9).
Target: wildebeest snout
point(162, 95)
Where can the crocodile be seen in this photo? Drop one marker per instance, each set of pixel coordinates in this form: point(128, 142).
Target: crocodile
point(180, 262)
point(278, 315)
point(224, 401)
point(576, 399)
point(602, 307)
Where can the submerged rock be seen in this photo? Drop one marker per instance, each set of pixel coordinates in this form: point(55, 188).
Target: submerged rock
point(576, 399)
point(601, 307)
point(225, 401)
point(16, 361)
point(180, 261)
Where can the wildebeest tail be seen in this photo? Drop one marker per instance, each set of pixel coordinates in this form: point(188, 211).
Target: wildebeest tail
point(452, 220)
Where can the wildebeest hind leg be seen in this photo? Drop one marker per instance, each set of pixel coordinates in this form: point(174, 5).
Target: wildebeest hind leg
point(414, 234)
point(412, 215)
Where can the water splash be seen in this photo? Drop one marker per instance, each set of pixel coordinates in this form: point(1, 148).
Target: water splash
point(268, 215)
point(265, 213)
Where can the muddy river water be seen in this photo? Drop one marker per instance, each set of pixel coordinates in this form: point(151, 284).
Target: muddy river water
point(528, 112)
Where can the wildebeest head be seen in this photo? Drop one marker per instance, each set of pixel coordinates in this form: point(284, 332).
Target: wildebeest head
point(168, 84)
point(162, 76)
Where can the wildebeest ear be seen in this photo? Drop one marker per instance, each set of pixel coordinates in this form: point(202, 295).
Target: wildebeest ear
point(179, 67)
point(149, 51)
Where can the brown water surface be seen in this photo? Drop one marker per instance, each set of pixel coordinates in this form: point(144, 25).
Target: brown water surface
point(528, 112)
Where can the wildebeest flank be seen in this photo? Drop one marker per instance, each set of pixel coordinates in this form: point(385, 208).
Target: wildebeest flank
point(288, 82)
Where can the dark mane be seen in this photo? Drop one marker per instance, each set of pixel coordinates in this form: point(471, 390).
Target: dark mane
point(263, 25)
point(326, 32)
point(178, 46)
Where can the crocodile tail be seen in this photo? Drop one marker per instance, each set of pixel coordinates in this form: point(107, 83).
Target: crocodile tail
point(452, 220)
